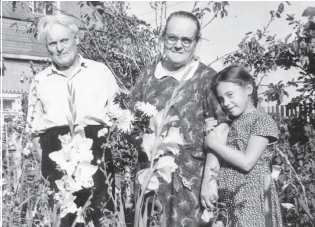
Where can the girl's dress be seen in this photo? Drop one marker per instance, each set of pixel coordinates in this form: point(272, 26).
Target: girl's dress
point(244, 193)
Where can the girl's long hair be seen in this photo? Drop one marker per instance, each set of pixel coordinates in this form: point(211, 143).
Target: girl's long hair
point(236, 74)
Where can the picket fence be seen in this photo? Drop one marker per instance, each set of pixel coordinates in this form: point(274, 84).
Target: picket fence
point(286, 111)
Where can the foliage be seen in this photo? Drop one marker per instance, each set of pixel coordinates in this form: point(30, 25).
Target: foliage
point(295, 158)
point(24, 192)
point(261, 59)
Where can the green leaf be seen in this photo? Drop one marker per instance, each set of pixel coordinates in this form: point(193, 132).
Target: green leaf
point(272, 13)
point(176, 183)
point(280, 8)
point(287, 37)
point(163, 222)
point(259, 33)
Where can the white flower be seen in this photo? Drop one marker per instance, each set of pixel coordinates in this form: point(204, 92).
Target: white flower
point(172, 140)
point(67, 185)
point(68, 205)
point(207, 215)
point(218, 224)
point(287, 205)
point(125, 120)
point(26, 151)
point(73, 151)
point(169, 143)
point(148, 141)
point(83, 174)
point(34, 212)
point(80, 216)
point(146, 108)
point(165, 167)
point(27, 148)
point(276, 170)
point(102, 132)
point(153, 184)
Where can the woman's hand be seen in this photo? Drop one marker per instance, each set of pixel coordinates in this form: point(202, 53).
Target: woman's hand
point(209, 125)
point(209, 192)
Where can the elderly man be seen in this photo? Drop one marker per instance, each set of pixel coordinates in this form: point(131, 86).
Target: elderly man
point(94, 87)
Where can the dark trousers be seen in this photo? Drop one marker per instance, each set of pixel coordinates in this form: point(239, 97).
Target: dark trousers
point(49, 143)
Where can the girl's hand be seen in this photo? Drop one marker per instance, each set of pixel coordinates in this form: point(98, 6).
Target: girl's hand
point(209, 125)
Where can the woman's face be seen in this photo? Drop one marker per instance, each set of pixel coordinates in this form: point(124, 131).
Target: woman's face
point(184, 30)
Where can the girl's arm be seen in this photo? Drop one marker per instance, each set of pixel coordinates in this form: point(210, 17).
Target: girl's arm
point(241, 160)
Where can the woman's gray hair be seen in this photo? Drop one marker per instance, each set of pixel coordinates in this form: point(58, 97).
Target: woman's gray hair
point(46, 22)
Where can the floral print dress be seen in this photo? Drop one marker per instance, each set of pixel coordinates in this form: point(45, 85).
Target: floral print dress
point(181, 197)
point(244, 193)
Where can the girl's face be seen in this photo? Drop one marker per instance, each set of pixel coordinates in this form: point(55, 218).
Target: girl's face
point(235, 99)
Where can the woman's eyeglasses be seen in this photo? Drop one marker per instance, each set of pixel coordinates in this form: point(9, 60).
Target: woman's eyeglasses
point(172, 39)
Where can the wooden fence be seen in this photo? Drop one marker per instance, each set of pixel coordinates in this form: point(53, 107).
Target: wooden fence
point(286, 111)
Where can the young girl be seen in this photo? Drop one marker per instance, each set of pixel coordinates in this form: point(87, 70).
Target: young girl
point(245, 184)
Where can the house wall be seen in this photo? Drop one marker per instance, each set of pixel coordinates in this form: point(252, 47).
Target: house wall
point(17, 42)
point(14, 71)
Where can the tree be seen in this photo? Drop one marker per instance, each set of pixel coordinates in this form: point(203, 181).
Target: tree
point(261, 59)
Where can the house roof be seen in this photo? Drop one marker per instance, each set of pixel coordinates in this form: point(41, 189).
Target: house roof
point(19, 12)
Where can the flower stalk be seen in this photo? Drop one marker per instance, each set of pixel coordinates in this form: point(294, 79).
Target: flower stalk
point(157, 124)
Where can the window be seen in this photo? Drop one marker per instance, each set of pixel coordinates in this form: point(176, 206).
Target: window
point(43, 8)
point(7, 104)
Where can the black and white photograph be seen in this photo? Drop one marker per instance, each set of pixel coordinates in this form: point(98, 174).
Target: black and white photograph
point(158, 113)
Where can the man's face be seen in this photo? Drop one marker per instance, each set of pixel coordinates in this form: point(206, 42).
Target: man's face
point(61, 45)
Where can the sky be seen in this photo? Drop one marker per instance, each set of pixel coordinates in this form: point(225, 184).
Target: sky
point(222, 36)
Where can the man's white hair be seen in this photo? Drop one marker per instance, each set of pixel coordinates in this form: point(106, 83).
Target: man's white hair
point(46, 22)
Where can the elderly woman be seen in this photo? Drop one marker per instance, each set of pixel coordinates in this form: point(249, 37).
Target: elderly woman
point(155, 85)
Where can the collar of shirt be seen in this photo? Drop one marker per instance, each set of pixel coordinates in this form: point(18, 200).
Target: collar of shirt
point(82, 63)
point(160, 72)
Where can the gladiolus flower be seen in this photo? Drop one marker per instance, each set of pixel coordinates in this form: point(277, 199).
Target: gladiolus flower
point(207, 215)
point(80, 217)
point(218, 224)
point(72, 152)
point(276, 170)
point(165, 167)
point(83, 174)
point(287, 206)
point(153, 184)
point(67, 185)
point(172, 140)
point(68, 205)
point(102, 132)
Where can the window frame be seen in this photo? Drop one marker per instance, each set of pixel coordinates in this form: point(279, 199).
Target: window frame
point(45, 13)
